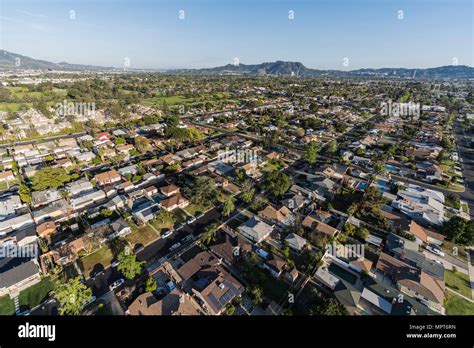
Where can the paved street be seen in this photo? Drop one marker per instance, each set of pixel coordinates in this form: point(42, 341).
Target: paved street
point(467, 165)
point(160, 248)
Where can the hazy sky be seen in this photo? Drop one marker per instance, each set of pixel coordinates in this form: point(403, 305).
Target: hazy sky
point(369, 33)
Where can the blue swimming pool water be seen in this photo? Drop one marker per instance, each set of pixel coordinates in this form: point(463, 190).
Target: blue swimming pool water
point(382, 184)
point(390, 168)
point(362, 185)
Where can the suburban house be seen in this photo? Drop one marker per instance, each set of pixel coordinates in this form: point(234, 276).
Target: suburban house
point(203, 277)
point(107, 178)
point(413, 281)
point(229, 246)
point(120, 228)
point(274, 264)
point(7, 176)
point(174, 303)
point(377, 298)
point(18, 278)
point(46, 229)
point(295, 242)
point(315, 225)
point(173, 202)
point(169, 190)
point(39, 198)
point(425, 235)
point(282, 216)
point(255, 229)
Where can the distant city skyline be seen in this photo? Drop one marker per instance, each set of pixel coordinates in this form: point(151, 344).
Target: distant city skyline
point(162, 34)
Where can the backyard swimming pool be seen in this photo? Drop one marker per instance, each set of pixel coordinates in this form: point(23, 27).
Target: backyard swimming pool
point(390, 168)
point(383, 186)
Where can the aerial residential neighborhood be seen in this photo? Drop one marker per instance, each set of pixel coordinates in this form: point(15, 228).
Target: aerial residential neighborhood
point(170, 206)
point(166, 178)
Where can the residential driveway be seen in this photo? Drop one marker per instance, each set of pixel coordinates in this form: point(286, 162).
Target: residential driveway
point(448, 261)
point(110, 298)
point(100, 285)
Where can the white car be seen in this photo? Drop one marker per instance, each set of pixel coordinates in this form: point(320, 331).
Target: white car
point(175, 246)
point(116, 263)
point(116, 284)
point(435, 250)
point(167, 234)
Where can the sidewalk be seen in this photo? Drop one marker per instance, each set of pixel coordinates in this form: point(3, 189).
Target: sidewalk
point(471, 271)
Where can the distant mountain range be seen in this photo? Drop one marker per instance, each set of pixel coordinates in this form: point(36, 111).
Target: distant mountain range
point(280, 68)
point(9, 61)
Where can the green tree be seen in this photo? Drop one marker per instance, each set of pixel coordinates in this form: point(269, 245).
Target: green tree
point(150, 284)
point(119, 141)
point(332, 146)
point(228, 206)
point(50, 177)
point(142, 144)
point(277, 183)
point(459, 230)
point(312, 151)
point(247, 196)
point(129, 266)
point(24, 193)
point(72, 296)
point(106, 212)
point(209, 233)
point(333, 307)
point(203, 191)
point(240, 174)
point(256, 293)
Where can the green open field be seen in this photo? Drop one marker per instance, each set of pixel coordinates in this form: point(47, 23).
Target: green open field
point(7, 307)
point(459, 282)
point(143, 235)
point(195, 209)
point(33, 296)
point(102, 256)
point(456, 305)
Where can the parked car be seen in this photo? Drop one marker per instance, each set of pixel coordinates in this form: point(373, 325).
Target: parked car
point(96, 273)
point(170, 285)
point(435, 250)
point(115, 263)
point(175, 246)
point(116, 284)
point(186, 239)
point(88, 302)
point(167, 234)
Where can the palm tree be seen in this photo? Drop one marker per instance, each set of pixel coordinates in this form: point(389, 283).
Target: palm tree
point(209, 233)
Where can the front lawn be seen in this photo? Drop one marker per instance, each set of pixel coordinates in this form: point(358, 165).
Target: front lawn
point(179, 216)
point(7, 307)
point(36, 294)
point(456, 305)
point(195, 209)
point(451, 249)
point(459, 282)
point(103, 256)
point(143, 235)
